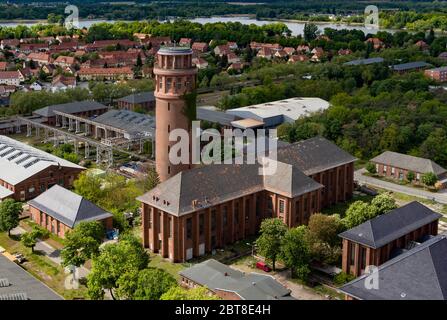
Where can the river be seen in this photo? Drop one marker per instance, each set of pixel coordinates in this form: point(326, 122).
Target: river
point(296, 27)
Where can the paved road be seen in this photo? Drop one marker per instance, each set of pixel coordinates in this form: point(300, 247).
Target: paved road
point(440, 197)
point(49, 251)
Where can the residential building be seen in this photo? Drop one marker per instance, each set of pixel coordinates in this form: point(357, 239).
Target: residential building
point(397, 165)
point(303, 49)
point(11, 78)
point(222, 50)
point(417, 274)
point(422, 45)
point(122, 73)
point(26, 172)
point(265, 53)
point(143, 101)
point(298, 58)
point(201, 47)
point(438, 74)
point(59, 210)
point(18, 284)
point(193, 212)
point(39, 57)
point(62, 83)
point(376, 43)
point(233, 58)
point(65, 61)
point(378, 240)
point(3, 65)
point(344, 52)
point(185, 42)
point(200, 63)
point(289, 51)
point(231, 284)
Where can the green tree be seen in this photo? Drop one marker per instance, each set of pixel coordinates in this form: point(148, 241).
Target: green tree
point(371, 168)
point(411, 176)
point(88, 186)
point(429, 179)
point(295, 251)
point(82, 243)
point(271, 232)
point(358, 212)
point(310, 31)
point(10, 211)
point(29, 239)
point(325, 228)
point(115, 261)
point(152, 283)
point(178, 293)
point(383, 203)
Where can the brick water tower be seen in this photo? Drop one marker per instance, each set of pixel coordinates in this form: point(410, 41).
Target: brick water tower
point(175, 76)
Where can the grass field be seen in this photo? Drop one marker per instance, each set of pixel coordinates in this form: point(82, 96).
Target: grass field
point(42, 268)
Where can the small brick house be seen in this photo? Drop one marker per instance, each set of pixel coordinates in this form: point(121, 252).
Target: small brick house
point(397, 165)
point(59, 210)
point(378, 240)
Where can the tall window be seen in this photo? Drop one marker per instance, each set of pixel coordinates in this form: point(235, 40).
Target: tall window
point(189, 228)
point(351, 253)
point(169, 227)
point(201, 224)
point(363, 255)
point(281, 207)
point(213, 220)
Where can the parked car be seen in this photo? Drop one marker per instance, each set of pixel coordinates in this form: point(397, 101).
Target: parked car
point(263, 266)
point(20, 257)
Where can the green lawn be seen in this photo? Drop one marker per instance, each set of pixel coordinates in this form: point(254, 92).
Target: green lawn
point(173, 268)
point(340, 208)
point(42, 268)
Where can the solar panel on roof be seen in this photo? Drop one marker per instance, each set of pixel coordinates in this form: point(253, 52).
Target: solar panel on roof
point(4, 283)
point(7, 152)
point(14, 296)
point(29, 164)
point(23, 159)
point(15, 156)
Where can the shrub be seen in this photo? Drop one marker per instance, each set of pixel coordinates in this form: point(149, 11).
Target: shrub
point(371, 168)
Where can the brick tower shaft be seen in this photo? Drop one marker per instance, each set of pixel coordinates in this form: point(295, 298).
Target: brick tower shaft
point(175, 76)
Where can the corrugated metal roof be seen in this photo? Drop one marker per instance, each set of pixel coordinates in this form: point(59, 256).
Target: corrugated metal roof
point(133, 122)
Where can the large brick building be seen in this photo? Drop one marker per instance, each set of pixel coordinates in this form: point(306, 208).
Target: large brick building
point(438, 74)
point(26, 172)
point(417, 274)
point(397, 165)
point(384, 237)
point(209, 207)
point(59, 210)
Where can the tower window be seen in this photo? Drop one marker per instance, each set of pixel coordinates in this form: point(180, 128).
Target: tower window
point(169, 170)
point(169, 128)
point(169, 106)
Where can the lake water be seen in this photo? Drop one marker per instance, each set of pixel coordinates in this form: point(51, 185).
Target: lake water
point(296, 27)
